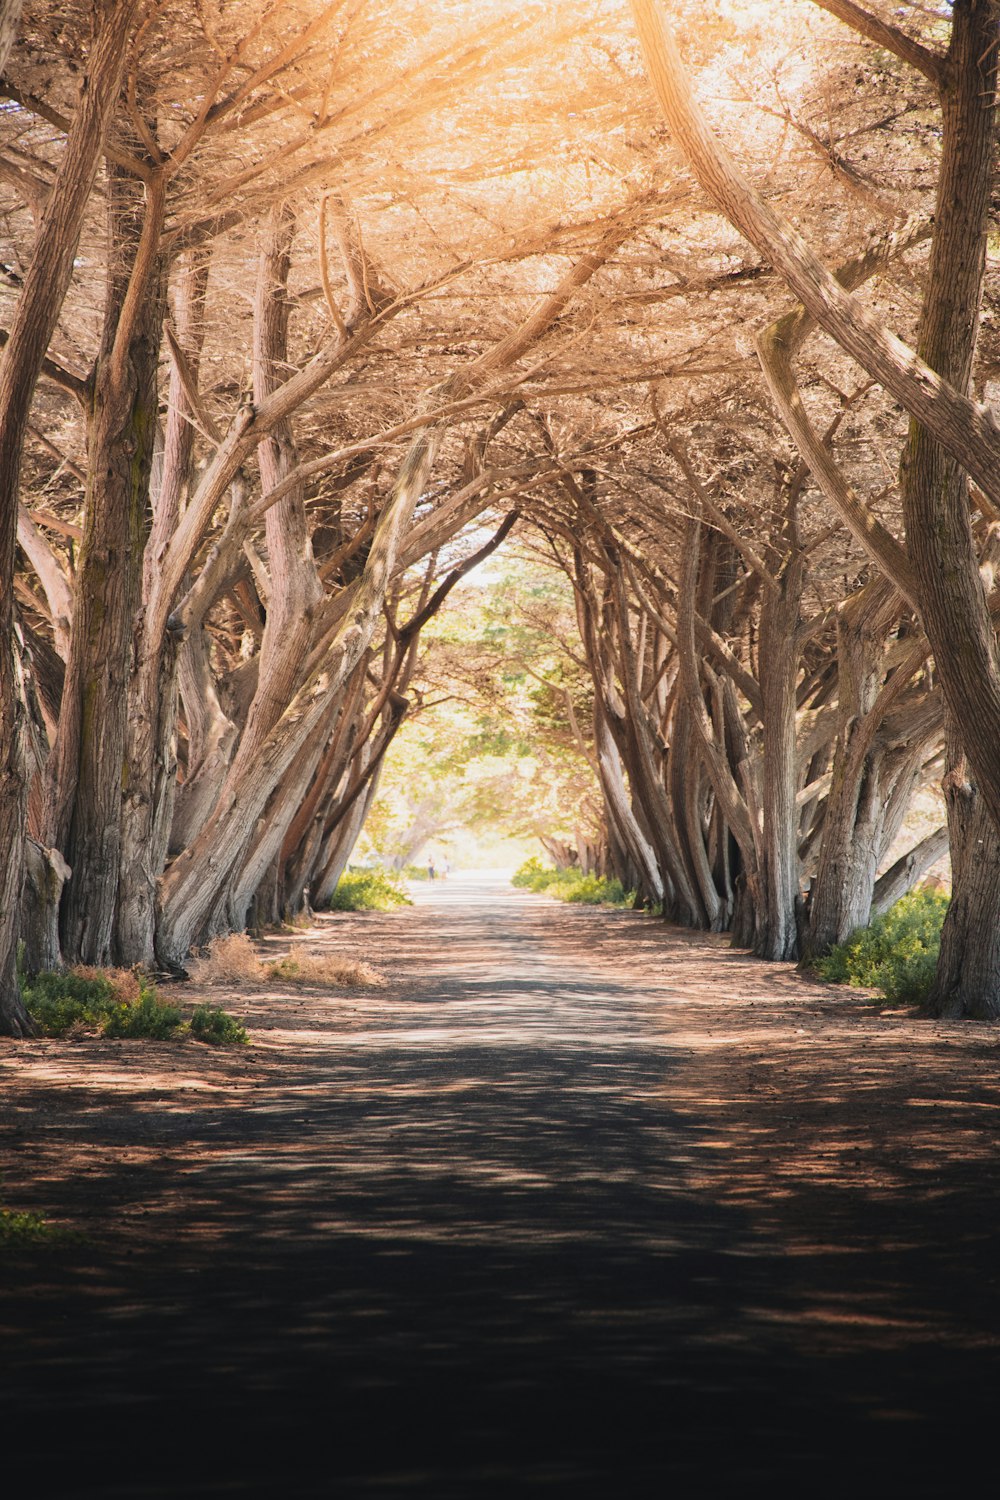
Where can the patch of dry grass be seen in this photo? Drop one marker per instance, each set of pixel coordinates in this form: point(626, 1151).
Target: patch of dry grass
point(233, 959)
point(326, 968)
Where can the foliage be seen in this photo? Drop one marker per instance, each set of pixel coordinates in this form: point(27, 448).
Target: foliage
point(60, 1002)
point(533, 875)
point(368, 890)
point(26, 1229)
point(149, 1016)
point(896, 954)
point(571, 885)
point(492, 754)
point(112, 1003)
point(212, 1024)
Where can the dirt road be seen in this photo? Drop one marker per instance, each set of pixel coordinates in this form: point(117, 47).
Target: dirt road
point(576, 1205)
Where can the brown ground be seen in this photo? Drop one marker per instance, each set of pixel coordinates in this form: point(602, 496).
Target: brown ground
point(578, 1204)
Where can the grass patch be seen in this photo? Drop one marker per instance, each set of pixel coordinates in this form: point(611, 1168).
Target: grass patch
point(231, 959)
point(117, 1003)
point(326, 968)
point(897, 954)
point(368, 890)
point(571, 885)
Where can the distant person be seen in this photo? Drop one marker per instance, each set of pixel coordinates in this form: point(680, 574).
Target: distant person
point(447, 870)
point(430, 869)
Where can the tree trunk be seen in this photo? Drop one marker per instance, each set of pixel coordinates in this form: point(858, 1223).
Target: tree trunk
point(45, 873)
point(151, 724)
point(937, 515)
point(90, 770)
point(777, 936)
point(966, 982)
point(903, 875)
point(45, 286)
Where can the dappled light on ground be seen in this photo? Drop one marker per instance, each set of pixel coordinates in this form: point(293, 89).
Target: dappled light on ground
point(575, 1200)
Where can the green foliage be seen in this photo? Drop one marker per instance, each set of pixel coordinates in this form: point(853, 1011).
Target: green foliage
point(493, 756)
point(212, 1024)
point(594, 890)
point(415, 872)
point(119, 1006)
point(571, 885)
point(896, 954)
point(368, 890)
point(24, 1229)
point(57, 1002)
point(533, 875)
point(149, 1016)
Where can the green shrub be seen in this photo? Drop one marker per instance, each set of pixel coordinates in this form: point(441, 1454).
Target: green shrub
point(29, 1231)
point(23, 1228)
point(598, 890)
point(368, 890)
point(217, 1027)
point(120, 1004)
point(57, 1002)
point(897, 954)
point(533, 875)
point(415, 872)
point(571, 884)
point(149, 1016)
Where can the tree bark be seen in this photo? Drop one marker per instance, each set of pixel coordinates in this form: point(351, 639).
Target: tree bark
point(44, 288)
point(90, 770)
point(936, 512)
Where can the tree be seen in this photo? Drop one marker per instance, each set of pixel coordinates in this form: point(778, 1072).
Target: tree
point(45, 286)
point(951, 436)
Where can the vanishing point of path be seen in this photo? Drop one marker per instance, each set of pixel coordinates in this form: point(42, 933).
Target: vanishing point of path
point(577, 1205)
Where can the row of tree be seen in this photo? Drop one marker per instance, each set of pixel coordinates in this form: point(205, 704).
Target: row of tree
point(309, 306)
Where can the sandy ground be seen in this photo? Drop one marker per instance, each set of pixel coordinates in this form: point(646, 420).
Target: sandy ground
point(577, 1204)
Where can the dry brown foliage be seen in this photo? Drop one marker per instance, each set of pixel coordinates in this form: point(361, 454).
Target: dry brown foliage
point(228, 959)
point(234, 959)
point(327, 968)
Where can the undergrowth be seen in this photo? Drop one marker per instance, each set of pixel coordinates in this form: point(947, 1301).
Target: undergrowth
point(897, 954)
point(368, 890)
point(571, 885)
point(234, 959)
point(118, 1003)
point(28, 1230)
point(212, 1024)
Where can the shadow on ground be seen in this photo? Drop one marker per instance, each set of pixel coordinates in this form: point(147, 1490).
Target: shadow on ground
point(576, 1207)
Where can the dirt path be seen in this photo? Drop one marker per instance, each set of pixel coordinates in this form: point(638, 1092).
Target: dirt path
point(577, 1205)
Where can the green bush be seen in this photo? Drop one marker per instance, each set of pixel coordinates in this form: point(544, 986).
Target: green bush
point(533, 875)
point(217, 1027)
point(570, 884)
point(368, 890)
point(58, 1001)
point(597, 890)
point(123, 1004)
point(897, 954)
point(149, 1016)
point(23, 1228)
point(415, 872)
